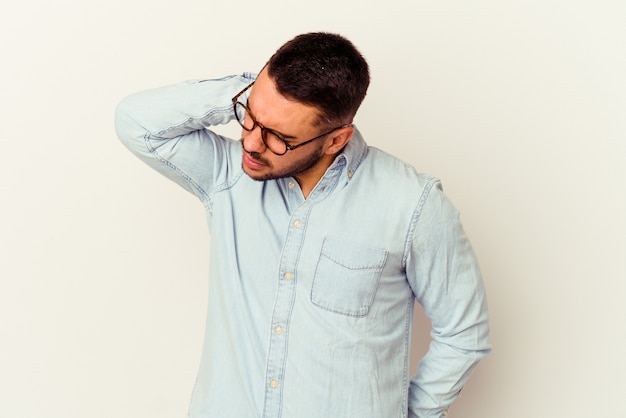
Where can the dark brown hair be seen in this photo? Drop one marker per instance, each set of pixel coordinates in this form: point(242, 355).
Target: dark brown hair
point(323, 70)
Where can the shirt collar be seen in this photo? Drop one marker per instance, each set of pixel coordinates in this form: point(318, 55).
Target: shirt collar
point(340, 172)
point(352, 155)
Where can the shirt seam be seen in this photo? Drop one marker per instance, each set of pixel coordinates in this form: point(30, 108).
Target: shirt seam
point(415, 218)
point(205, 197)
point(208, 202)
point(174, 167)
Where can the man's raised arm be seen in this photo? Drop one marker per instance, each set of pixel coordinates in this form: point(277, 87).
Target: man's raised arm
point(165, 127)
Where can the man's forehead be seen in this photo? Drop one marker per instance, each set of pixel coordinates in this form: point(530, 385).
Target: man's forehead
point(269, 106)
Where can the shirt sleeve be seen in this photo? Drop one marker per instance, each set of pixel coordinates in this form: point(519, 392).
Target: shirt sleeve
point(446, 280)
point(166, 128)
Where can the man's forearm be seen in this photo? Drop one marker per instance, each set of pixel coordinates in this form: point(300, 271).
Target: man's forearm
point(178, 109)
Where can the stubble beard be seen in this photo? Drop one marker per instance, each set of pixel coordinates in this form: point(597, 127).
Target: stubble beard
point(293, 169)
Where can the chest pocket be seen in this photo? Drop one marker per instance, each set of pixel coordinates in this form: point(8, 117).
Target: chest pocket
point(347, 276)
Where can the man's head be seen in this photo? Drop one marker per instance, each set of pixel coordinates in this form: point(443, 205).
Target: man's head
point(306, 95)
point(322, 70)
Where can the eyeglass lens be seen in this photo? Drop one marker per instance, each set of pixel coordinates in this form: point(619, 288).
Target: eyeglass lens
point(270, 138)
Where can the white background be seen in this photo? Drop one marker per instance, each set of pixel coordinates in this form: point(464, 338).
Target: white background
point(518, 106)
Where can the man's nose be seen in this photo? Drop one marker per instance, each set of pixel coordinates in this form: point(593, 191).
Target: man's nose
point(253, 140)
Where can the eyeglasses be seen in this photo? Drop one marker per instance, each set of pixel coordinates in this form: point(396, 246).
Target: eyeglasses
point(273, 140)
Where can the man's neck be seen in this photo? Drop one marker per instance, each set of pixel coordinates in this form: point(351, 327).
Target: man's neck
point(309, 179)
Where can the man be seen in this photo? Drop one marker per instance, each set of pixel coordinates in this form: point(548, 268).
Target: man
point(319, 244)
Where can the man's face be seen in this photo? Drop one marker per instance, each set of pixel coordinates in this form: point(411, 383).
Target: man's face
point(294, 121)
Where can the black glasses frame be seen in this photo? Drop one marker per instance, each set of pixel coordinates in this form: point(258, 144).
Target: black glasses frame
point(264, 130)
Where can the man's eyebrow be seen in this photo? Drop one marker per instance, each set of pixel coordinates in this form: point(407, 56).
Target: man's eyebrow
point(284, 136)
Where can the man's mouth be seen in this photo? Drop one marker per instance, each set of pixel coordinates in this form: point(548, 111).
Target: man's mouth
point(252, 163)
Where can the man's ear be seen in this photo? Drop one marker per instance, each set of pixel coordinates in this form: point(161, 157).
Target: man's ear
point(339, 139)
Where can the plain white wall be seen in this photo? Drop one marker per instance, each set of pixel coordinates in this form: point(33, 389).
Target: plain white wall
point(518, 106)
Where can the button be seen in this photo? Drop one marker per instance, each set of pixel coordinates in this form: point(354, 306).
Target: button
point(349, 174)
point(288, 276)
point(445, 412)
point(297, 223)
point(274, 383)
point(278, 330)
point(292, 184)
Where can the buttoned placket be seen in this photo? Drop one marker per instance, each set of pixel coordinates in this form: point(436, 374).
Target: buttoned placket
point(286, 291)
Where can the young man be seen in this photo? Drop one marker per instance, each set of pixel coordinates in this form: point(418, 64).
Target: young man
point(319, 244)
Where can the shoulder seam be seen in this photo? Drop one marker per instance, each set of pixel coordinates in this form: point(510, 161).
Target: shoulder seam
point(433, 181)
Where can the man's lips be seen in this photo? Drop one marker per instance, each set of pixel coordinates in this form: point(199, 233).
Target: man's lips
point(251, 163)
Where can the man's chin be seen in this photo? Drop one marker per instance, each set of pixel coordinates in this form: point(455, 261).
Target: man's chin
point(256, 175)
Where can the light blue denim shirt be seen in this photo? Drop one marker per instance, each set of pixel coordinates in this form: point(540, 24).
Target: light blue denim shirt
point(311, 300)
